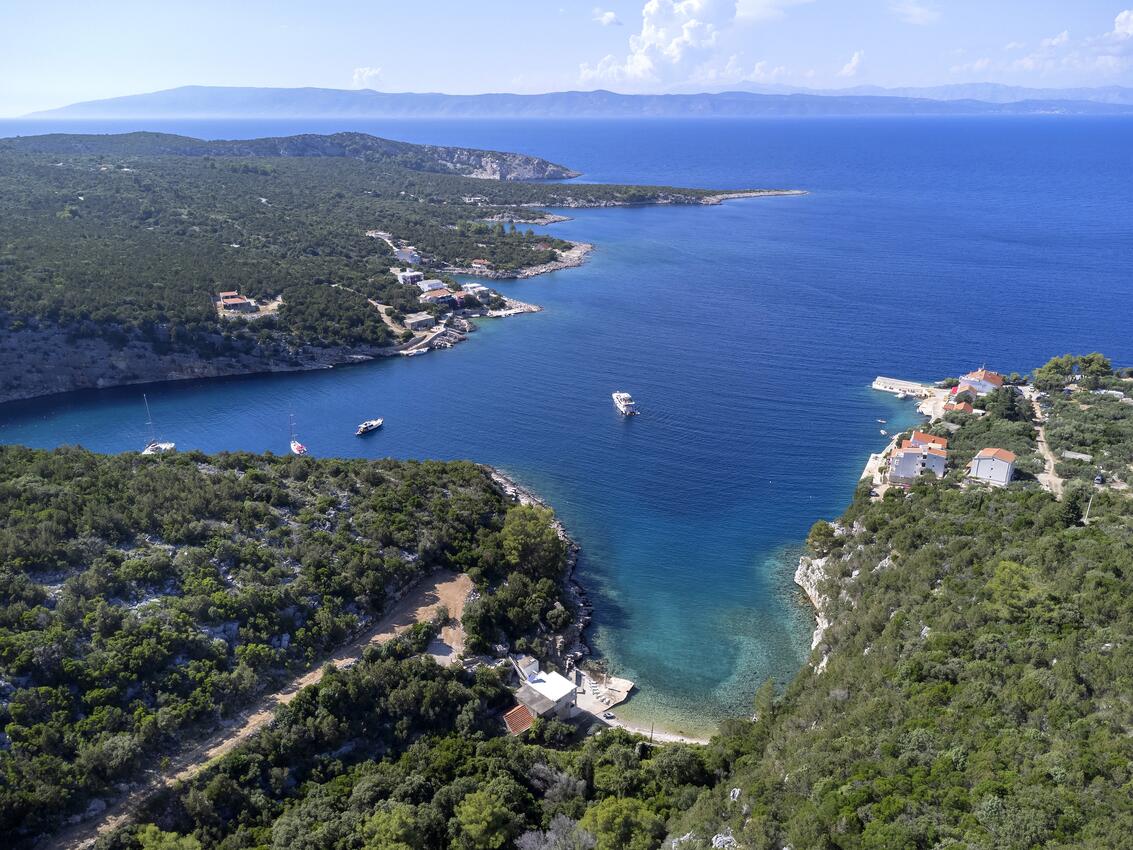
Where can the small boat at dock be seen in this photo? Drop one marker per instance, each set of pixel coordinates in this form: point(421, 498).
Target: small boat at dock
point(368, 426)
point(624, 403)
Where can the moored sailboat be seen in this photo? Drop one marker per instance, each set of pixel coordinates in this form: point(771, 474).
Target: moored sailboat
point(155, 446)
point(297, 448)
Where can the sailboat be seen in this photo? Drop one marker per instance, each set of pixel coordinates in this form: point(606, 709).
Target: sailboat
point(154, 446)
point(297, 448)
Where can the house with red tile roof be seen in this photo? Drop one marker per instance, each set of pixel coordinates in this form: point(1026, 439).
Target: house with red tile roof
point(993, 466)
point(978, 383)
point(519, 719)
point(911, 460)
point(920, 438)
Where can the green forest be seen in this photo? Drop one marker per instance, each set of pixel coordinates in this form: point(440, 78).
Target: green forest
point(144, 597)
point(135, 234)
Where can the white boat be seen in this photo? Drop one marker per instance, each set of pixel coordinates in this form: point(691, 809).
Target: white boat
point(882, 421)
point(297, 448)
point(368, 426)
point(884, 433)
point(624, 403)
point(155, 446)
point(902, 394)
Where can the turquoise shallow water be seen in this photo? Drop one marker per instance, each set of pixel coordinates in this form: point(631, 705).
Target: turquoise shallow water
point(748, 332)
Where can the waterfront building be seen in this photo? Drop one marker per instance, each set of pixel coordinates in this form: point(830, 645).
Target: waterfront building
point(547, 695)
point(477, 290)
point(910, 461)
point(993, 466)
point(430, 285)
point(978, 383)
point(419, 321)
point(961, 407)
point(920, 438)
point(438, 296)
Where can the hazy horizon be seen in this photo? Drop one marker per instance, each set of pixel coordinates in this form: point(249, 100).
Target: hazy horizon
point(626, 46)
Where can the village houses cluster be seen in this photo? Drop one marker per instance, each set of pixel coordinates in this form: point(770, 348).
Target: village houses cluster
point(435, 292)
point(924, 453)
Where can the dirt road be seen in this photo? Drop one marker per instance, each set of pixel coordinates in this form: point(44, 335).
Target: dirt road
point(1048, 478)
point(417, 606)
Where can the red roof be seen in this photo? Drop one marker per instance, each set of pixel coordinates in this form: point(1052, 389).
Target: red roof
point(909, 446)
point(234, 299)
point(922, 437)
point(998, 454)
point(519, 719)
point(962, 407)
point(993, 378)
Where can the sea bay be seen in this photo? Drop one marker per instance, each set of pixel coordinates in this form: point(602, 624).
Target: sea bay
point(748, 332)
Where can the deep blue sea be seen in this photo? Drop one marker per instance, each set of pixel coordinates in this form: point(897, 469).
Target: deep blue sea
point(749, 334)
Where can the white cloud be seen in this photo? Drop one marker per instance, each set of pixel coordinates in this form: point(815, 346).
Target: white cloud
point(607, 19)
point(1014, 45)
point(913, 12)
point(1123, 24)
point(1106, 54)
point(674, 35)
point(977, 66)
point(850, 69)
point(1056, 41)
point(365, 78)
point(733, 71)
point(765, 10)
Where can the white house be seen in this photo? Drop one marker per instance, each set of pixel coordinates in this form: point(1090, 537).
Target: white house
point(430, 284)
point(979, 383)
point(910, 461)
point(547, 694)
point(478, 290)
point(993, 466)
point(409, 277)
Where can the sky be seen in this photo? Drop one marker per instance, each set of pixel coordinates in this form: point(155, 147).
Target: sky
point(63, 51)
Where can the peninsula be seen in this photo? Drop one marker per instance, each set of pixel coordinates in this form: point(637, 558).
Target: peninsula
point(144, 256)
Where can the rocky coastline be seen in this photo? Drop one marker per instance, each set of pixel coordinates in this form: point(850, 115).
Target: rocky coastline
point(568, 259)
point(569, 648)
point(810, 575)
point(41, 360)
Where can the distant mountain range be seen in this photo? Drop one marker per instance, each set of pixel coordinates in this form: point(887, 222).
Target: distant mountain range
point(230, 102)
point(987, 92)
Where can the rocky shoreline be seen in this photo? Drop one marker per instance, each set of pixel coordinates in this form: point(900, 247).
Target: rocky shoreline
point(712, 200)
point(569, 259)
point(570, 646)
point(809, 575)
point(43, 360)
